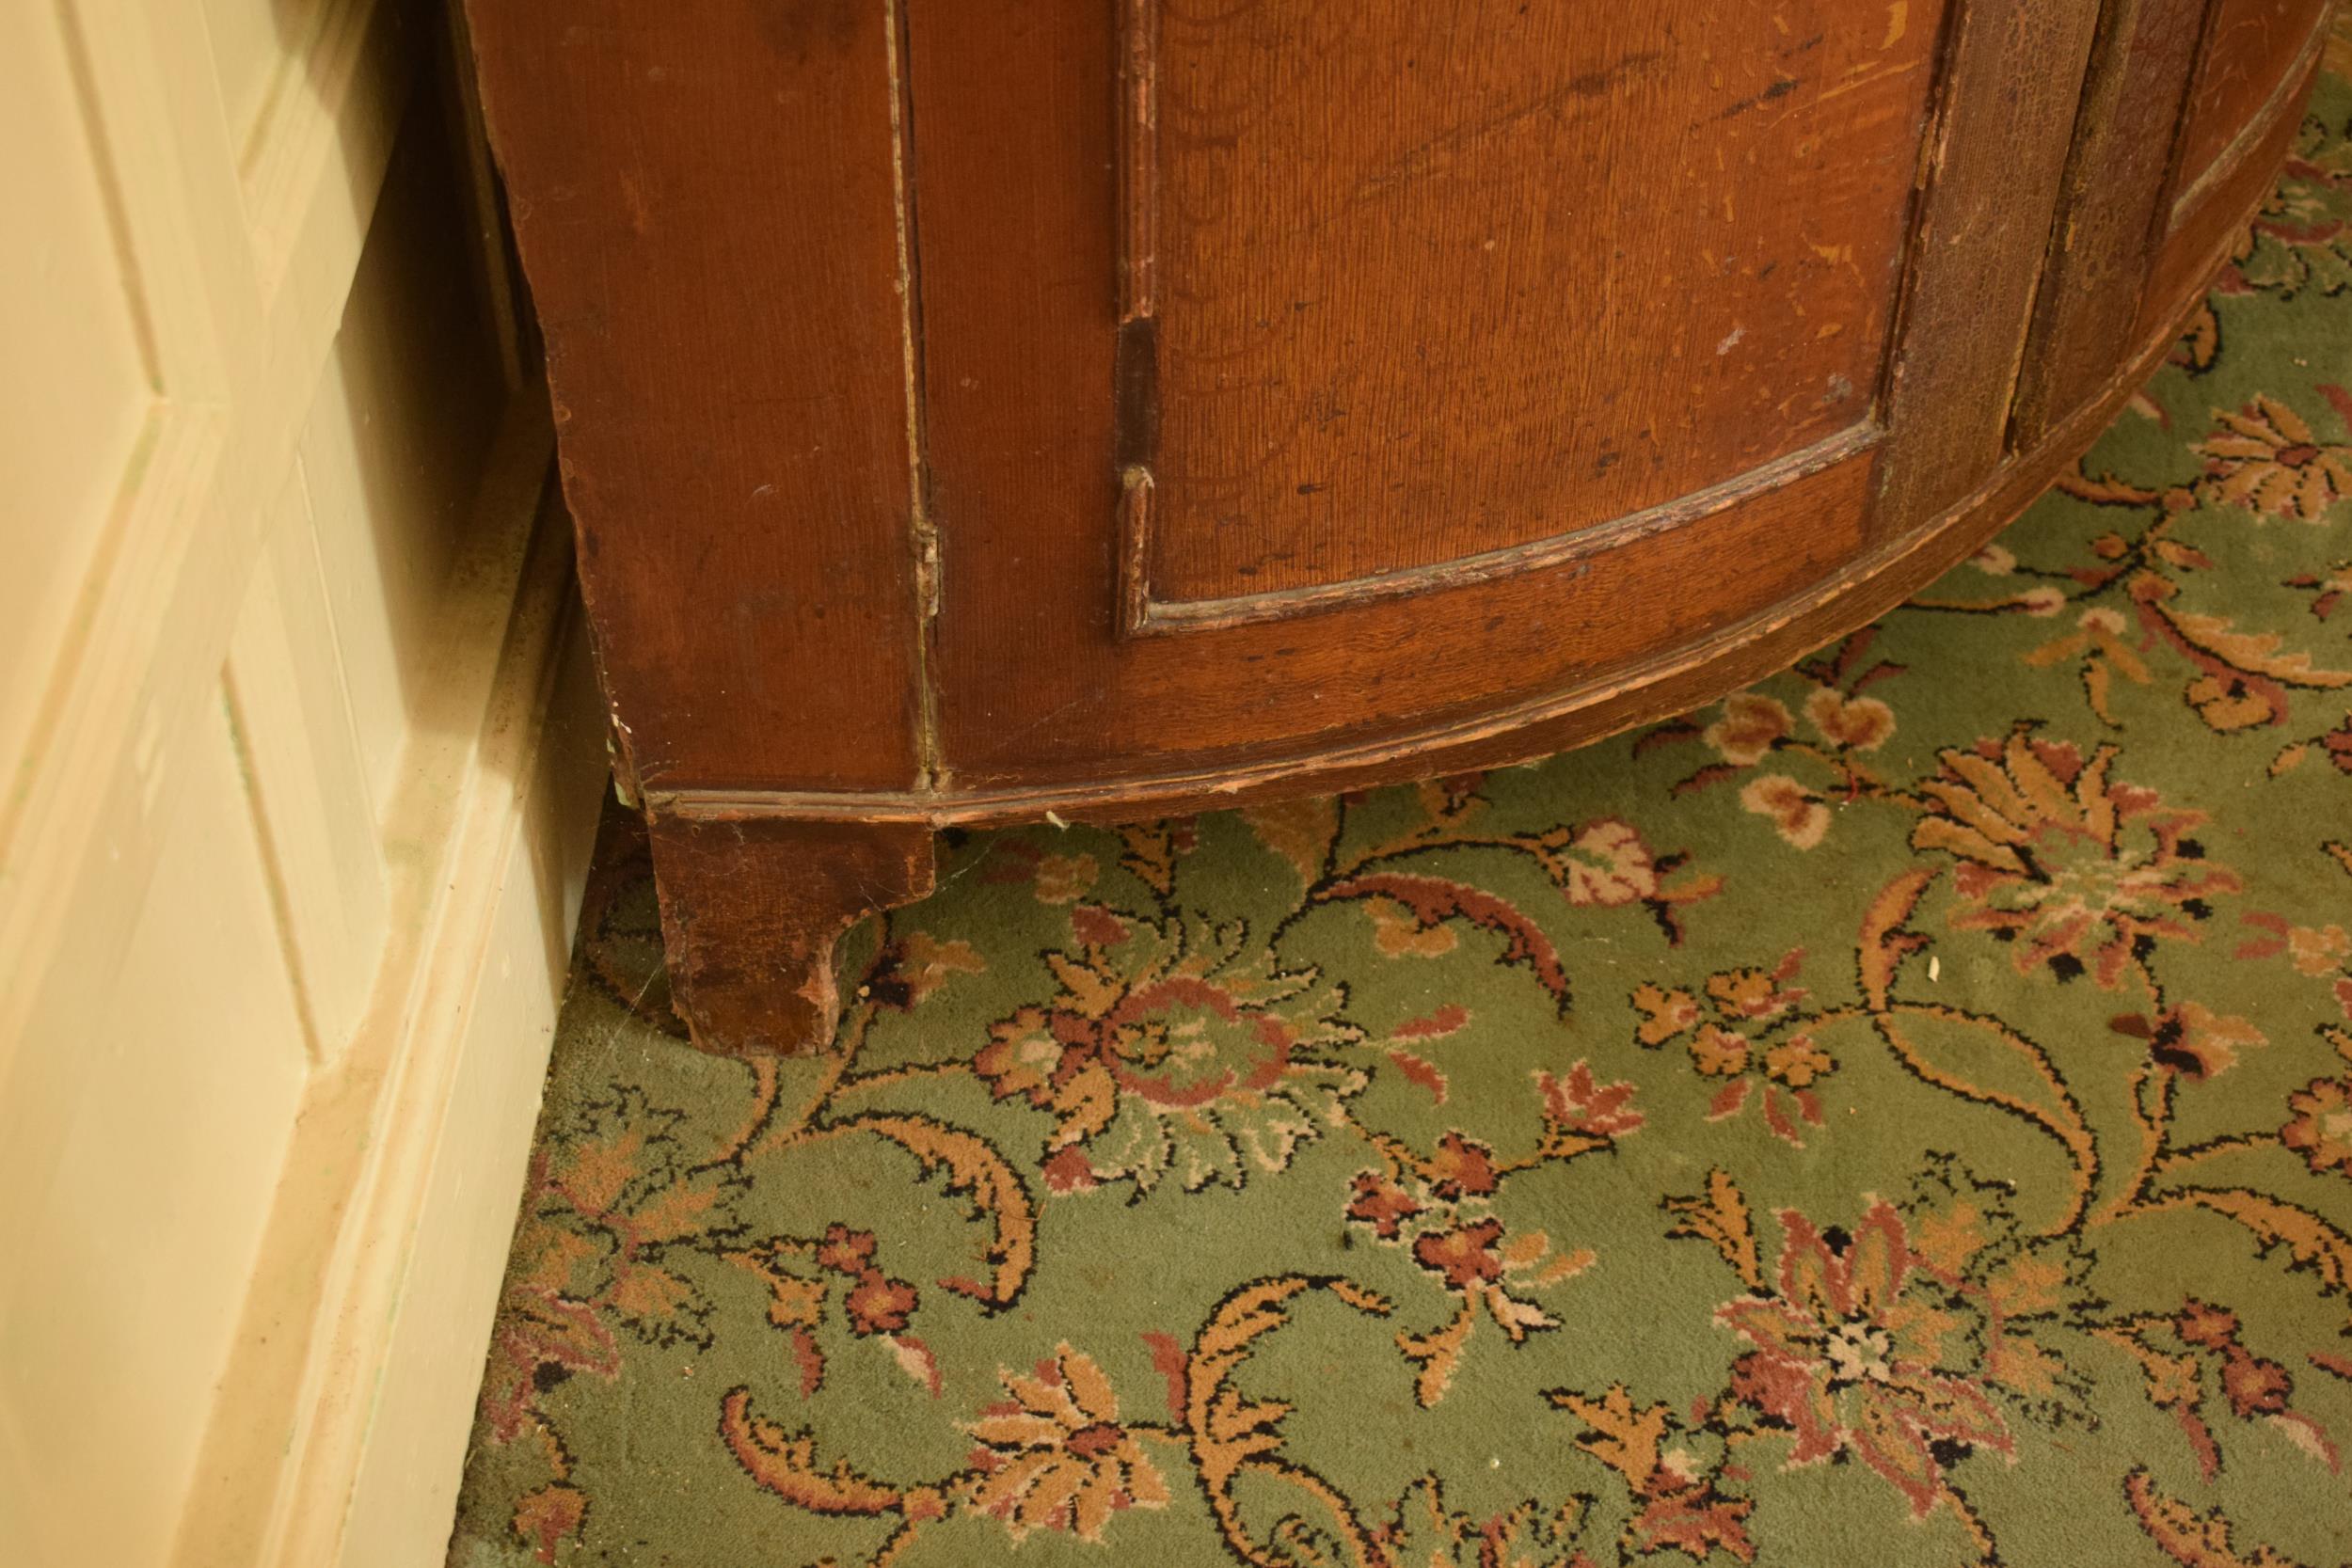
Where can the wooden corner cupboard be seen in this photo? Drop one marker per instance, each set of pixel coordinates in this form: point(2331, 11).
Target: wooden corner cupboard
point(973, 409)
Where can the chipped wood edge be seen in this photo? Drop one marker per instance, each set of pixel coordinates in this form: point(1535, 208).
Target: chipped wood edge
point(751, 907)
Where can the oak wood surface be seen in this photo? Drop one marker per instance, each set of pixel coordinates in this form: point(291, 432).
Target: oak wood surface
point(2249, 49)
point(704, 196)
point(1037, 685)
point(976, 410)
point(2126, 138)
point(1735, 655)
point(1989, 174)
point(2207, 208)
point(1410, 256)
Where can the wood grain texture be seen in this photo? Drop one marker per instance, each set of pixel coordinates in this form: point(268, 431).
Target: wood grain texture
point(752, 905)
point(1734, 655)
point(2250, 48)
point(704, 196)
point(1138, 146)
point(2109, 204)
point(1147, 617)
point(2014, 76)
point(1411, 256)
point(2209, 208)
point(1035, 682)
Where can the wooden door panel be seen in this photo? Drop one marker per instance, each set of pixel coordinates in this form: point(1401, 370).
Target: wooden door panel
point(1399, 617)
point(1326, 417)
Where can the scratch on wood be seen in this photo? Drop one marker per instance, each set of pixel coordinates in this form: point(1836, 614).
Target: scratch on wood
point(1417, 159)
point(1780, 88)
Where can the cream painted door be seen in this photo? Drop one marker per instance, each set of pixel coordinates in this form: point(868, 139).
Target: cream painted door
point(260, 440)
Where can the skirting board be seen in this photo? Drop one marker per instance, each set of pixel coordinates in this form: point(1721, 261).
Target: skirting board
point(336, 1436)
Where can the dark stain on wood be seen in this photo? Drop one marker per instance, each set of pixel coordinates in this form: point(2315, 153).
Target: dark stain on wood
point(1781, 88)
point(800, 30)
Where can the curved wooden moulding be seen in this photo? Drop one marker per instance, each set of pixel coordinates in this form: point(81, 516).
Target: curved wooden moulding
point(1151, 406)
point(1733, 655)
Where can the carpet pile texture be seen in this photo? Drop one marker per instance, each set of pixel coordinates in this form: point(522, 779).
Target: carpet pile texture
point(1902, 1114)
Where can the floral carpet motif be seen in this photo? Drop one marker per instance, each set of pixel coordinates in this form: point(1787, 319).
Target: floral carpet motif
point(1900, 1114)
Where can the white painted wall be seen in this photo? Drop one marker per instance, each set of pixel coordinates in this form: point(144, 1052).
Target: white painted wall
point(301, 759)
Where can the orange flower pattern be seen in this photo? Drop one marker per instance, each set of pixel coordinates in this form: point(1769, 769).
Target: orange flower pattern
point(1851, 1353)
point(1054, 1456)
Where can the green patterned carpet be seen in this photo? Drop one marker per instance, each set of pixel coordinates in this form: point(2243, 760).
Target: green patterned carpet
point(1902, 1114)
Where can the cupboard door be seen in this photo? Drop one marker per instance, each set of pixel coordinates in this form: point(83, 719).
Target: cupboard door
point(1299, 374)
point(1413, 265)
